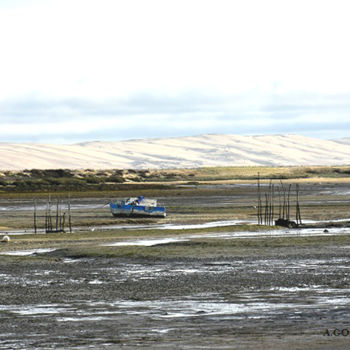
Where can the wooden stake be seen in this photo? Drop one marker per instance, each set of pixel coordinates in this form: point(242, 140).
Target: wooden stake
point(259, 202)
point(69, 216)
point(57, 215)
point(35, 225)
point(298, 215)
point(272, 204)
point(279, 203)
point(288, 203)
point(284, 201)
point(266, 209)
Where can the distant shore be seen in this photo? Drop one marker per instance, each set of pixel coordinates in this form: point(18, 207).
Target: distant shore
point(67, 180)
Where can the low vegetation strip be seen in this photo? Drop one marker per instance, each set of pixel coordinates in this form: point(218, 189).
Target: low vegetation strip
point(104, 180)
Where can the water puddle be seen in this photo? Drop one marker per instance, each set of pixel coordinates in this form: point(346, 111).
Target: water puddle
point(28, 252)
point(22, 206)
point(175, 226)
point(146, 242)
point(204, 225)
point(142, 227)
point(260, 304)
point(212, 224)
point(234, 235)
point(34, 310)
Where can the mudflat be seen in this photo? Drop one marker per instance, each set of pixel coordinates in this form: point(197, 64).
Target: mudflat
point(286, 300)
point(121, 284)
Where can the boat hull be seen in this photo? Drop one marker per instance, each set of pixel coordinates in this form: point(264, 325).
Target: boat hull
point(136, 210)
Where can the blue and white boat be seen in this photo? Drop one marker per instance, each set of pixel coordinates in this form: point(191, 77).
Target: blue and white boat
point(137, 206)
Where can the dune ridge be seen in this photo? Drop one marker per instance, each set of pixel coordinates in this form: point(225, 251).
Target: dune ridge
point(178, 152)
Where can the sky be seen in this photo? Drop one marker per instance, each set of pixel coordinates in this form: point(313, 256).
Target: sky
point(109, 70)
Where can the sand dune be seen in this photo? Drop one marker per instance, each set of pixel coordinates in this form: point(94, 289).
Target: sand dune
point(345, 140)
point(181, 152)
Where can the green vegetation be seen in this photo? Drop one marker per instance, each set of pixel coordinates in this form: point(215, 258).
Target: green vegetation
point(63, 180)
point(60, 180)
point(244, 173)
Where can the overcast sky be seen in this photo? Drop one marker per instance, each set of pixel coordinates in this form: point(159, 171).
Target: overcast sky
point(80, 70)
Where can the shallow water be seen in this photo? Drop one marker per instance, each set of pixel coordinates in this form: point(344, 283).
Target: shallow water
point(147, 242)
point(234, 235)
point(28, 252)
point(211, 224)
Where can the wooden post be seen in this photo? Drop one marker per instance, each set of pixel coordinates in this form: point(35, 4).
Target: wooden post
point(266, 209)
point(59, 209)
point(279, 203)
point(47, 216)
point(57, 215)
point(272, 204)
point(298, 215)
point(284, 208)
point(35, 225)
point(69, 216)
point(63, 222)
point(288, 203)
point(259, 202)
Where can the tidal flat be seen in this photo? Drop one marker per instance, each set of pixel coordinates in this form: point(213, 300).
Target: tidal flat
point(205, 277)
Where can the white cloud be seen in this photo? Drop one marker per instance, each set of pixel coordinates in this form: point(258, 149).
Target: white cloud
point(144, 116)
point(252, 53)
